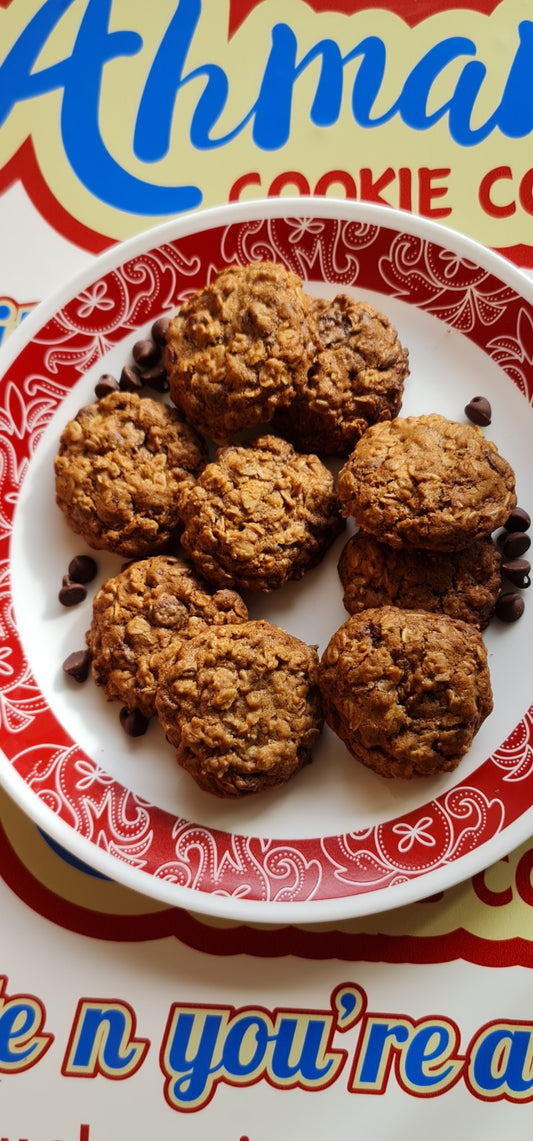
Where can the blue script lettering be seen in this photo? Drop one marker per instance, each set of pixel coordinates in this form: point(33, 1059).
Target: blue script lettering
point(274, 104)
point(430, 1044)
point(307, 1054)
point(205, 1046)
point(80, 76)
point(448, 66)
point(412, 104)
point(514, 114)
point(191, 1069)
point(165, 80)
point(104, 1032)
point(17, 1026)
point(272, 111)
point(516, 109)
point(501, 1063)
point(251, 1031)
point(17, 81)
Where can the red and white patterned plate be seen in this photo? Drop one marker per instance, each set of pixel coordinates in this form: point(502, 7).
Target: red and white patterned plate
point(337, 841)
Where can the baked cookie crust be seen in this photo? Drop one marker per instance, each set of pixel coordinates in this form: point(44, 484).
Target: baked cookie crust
point(356, 377)
point(241, 705)
point(141, 611)
point(118, 472)
point(405, 690)
point(260, 515)
point(464, 584)
point(238, 348)
point(427, 482)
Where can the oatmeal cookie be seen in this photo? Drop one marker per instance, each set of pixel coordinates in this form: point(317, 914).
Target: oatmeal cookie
point(405, 690)
point(463, 584)
point(118, 471)
point(241, 705)
point(427, 482)
point(356, 378)
point(139, 613)
point(237, 349)
point(259, 515)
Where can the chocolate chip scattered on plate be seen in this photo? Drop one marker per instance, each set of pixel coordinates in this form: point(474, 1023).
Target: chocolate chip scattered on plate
point(519, 520)
point(133, 722)
point(105, 385)
point(77, 665)
point(510, 607)
point(518, 572)
point(82, 568)
point(479, 411)
point(71, 593)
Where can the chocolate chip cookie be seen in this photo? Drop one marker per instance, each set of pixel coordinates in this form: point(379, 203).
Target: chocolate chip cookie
point(356, 377)
point(427, 482)
point(260, 515)
point(118, 471)
point(138, 613)
point(463, 584)
point(238, 348)
point(241, 705)
point(405, 690)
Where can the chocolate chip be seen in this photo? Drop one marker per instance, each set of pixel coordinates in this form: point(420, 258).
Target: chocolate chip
point(519, 520)
point(518, 572)
point(105, 385)
point(509, 607)
point(479, 411)
point(133, 722)
point(77, 665)
point(156, 378)
point(130, 380)
point(146, 354)
point(71, 593)
point(82, 568)
point(159, 331)
point(515, 544)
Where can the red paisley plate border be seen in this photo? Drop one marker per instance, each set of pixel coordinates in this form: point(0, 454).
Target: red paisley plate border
point(54, 781)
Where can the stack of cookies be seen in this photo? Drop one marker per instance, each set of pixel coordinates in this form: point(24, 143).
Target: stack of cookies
point(171, 636)
point(405, 682)
point(252, 348)
point(427, 494)
point(203, 512)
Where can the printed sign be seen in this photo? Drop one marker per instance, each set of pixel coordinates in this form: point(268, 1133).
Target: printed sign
point(204, 1046)
point(117, 116)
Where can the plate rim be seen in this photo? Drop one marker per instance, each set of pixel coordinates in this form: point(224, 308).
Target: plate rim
point(168, 892)
point(275, 913)
point(278, 207)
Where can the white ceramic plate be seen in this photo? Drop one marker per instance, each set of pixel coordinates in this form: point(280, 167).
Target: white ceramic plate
point(337, 840)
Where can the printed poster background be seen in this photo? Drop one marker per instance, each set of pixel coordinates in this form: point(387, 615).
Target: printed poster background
point(111, 123)
point(114, 118)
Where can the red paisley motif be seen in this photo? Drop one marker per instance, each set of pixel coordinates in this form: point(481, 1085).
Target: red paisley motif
point(91, 802)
